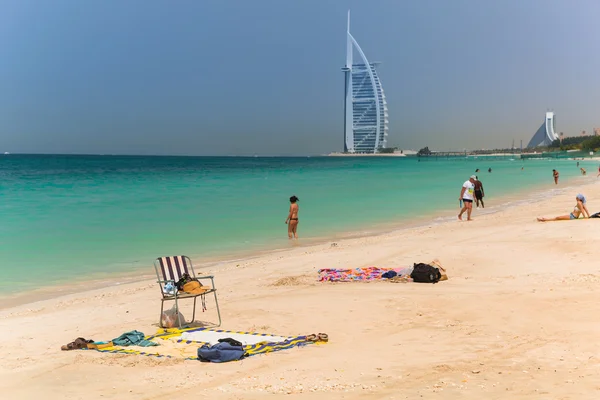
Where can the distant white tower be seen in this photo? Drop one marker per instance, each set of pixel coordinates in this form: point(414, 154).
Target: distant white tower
point(546, 134)
point(365, 107)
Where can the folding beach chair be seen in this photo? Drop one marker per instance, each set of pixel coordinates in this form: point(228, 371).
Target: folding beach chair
point(170, 270)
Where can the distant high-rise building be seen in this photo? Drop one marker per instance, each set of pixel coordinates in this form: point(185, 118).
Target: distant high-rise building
point(545, 135)
point(365, 107)
point(596, 131)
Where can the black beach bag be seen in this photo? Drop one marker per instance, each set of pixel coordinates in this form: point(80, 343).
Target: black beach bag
point(425, 273)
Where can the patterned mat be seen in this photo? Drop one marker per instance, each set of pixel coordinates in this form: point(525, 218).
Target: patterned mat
point(178, 343)
point(357, 274)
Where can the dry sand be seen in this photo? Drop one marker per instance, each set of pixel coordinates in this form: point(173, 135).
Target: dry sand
point(516, 320)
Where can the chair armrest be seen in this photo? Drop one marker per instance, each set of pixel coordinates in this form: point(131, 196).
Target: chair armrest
point(212, 279)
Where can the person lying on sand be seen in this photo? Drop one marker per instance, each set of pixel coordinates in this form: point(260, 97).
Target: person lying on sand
point(579, 209)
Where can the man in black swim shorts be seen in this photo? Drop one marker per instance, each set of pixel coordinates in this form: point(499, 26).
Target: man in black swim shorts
point(479, 194)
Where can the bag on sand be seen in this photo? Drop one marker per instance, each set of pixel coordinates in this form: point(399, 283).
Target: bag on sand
point(220, 352)
point(425, 273)
point(170, 318)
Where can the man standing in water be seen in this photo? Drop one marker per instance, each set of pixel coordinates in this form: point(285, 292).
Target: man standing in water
point(555, 175)
point(292, 219)
point(466, 196)
point(479, 193)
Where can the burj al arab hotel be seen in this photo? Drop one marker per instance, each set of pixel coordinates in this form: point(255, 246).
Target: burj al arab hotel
point(365, 108)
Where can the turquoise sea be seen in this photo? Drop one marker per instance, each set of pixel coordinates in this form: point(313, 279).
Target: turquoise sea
point(69, 218)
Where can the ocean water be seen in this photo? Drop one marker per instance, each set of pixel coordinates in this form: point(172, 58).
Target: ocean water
point(66, 218)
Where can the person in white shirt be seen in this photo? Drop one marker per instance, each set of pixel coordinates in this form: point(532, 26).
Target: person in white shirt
point(466, 196)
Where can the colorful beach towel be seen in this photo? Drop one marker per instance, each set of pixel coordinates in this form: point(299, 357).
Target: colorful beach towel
point(357, 274)
point(174, 344)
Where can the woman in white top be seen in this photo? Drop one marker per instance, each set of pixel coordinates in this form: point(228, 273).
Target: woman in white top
point(580, 208)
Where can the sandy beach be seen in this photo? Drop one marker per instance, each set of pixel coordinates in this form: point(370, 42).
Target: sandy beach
point(516, 320)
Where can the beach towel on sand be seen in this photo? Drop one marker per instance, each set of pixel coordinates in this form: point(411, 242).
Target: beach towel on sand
point(133, 338)
point(357, 274)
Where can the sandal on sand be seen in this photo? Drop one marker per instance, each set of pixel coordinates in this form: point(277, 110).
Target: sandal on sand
point(312, 337)
point(323, 337)
point(79, 343)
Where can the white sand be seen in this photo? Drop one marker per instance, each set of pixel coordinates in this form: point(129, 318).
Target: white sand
point(516, 320)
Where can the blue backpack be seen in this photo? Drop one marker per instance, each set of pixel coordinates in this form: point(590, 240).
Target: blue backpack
point(220, 352)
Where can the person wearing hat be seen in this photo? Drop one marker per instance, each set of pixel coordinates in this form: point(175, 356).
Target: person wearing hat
point(580, 208)
point(466, 197)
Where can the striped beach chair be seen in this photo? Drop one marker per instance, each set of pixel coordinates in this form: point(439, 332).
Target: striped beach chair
point(170, 270)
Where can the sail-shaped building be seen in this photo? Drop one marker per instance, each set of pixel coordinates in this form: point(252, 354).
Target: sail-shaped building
point(546, 134)
point(365, 107)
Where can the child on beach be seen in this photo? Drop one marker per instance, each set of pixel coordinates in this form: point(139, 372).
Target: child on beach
point(580, 208)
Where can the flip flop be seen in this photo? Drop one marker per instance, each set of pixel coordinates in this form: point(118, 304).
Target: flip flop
point(312, 337)
point(77, 344)
point(323, 337)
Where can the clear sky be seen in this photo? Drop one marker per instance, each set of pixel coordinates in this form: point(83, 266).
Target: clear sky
point(225, 77)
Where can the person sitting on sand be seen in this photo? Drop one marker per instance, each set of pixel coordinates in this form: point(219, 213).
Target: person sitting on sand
point(579, 209)
point(292, 219)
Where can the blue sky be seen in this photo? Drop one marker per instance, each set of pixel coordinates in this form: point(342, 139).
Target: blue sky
point(217, 77)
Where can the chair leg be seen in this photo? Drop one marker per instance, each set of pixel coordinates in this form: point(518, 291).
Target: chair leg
point(218, 311)
point(178, 313)
point(194, 312)
point(162, 305)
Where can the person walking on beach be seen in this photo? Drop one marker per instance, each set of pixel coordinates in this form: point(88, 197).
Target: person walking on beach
point(583, 171)
point(292, 219)
point(555, 175)
point(580, 208)
point(598, 171)
point(479, 194)
point(466, 196)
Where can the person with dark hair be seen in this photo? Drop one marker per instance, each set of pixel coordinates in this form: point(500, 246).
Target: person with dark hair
point(555, 175)
point(479, 194)
point(292, 219)
point(580, 208)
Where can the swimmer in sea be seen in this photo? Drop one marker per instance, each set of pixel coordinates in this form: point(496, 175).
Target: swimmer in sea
point(292, 219)
point(580, 208)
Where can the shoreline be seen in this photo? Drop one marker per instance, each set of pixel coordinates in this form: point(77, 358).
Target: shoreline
point(223, 262)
